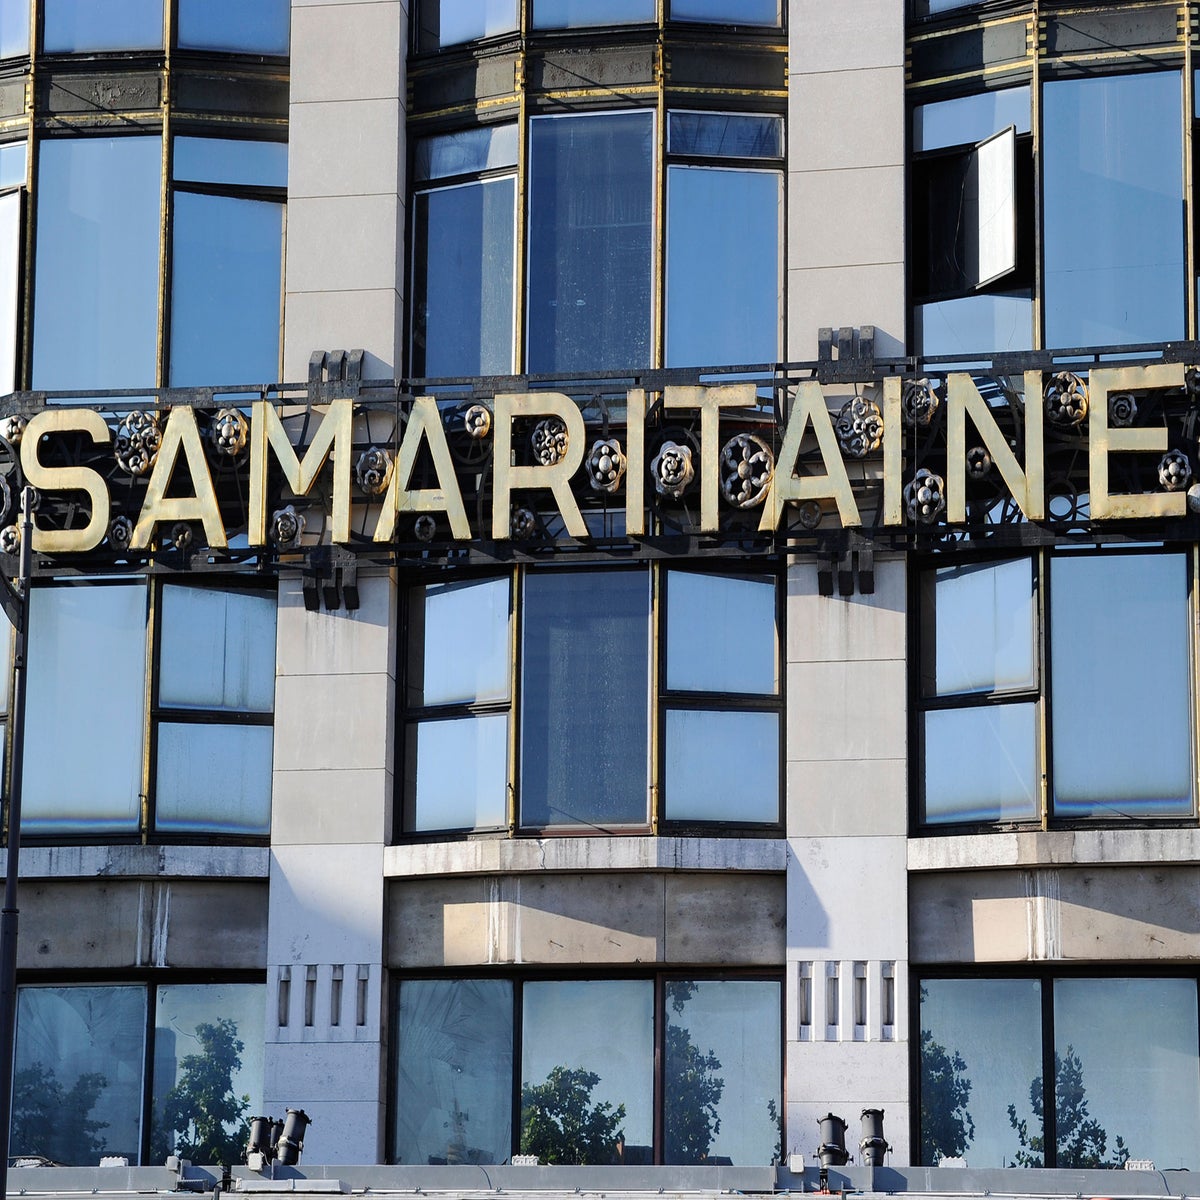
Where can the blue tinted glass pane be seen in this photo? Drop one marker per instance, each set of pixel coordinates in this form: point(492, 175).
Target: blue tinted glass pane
point(217, 649)
point(81, 26)
point(731, 12)
point(12, 165)
point(723, 266)
point(975, 324)
point(86, 643)
point(584, 698)
point(728, 135)
point(590, 240)
point(260, 27)
point(454, 1071)
point(458, 643)
point(225, 290)
point(450, 22)
point(1113, 209)
point(970, 119)
point(723, 1031)
point(86, 1045)
point(985, 626)
point(568, 1028)
point(722, 766)
point(574, 14)
point(927, 7)
point(230, 160)
point(14, 28)
point(980, 764)
point(95, 308)
point(10, 288)
point(463, 271)
point(1116, 762)
point(195, 1028)
point(459, 767)
point(1129, 1038)
point(984, 1034)
point(214, 778)
point(466, 153)
point(721, 633)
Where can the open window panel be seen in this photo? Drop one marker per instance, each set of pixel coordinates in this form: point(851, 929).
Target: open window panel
point(972, 223)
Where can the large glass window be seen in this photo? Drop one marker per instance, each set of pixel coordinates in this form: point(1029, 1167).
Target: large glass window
point(14, 28)
point(724, 274)
point(576, 14)
point(591, 238)
point(83, 26)
point(212, 723)
point(227, 246)
point(1113, 228)
point(451, 22)
point(1126, 1077)
point(987, 691)
point(464, 254)
point(95, 306)
point(83, 1058)
point(698, 1058)
point(258, 28)
point(585, 718)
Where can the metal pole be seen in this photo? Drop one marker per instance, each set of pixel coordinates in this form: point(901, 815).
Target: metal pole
point(8, 915)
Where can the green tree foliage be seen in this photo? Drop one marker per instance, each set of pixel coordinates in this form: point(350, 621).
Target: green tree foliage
point(560, 1124)
point(201, 1112)
point(54, 1121)
point(1082, 1141)
point(947, 1128)
point(693, 1087)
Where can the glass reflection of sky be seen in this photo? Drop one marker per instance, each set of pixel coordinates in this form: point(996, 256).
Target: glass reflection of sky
point(261, 27)
point(604, 1026)
point(575, 14)
point(994, 1025)
point(81, 26)
point(464, 20)
point(722, 766)
point(1113, 209)
point(181, 1008)
point(738, 1021)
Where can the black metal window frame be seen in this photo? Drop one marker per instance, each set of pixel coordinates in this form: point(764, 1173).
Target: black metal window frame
point(662, 699)
point(923, 701)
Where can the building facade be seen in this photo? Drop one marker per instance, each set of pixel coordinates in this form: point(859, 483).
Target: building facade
point(702, 638)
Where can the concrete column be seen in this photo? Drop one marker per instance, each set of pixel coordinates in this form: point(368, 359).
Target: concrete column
point(346, 183)
point(846, 171)
point(846, 1032)
point(331, 817)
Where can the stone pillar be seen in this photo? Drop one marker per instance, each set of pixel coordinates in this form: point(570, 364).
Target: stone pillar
point(331, 818)
point(346, 184)
point(846, 1035)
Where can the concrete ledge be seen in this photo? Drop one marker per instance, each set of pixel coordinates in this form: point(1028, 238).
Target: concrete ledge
point(142, 862)
point(1056, 847)
point(514, 855)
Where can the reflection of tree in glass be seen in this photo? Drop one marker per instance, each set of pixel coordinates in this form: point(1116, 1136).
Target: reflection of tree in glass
point(560, 1124)
point(693, 1089)
point(53, 1122)
point(777, 1121)
point(1082, 1141)
point(947, 1128)
point(198, 1112)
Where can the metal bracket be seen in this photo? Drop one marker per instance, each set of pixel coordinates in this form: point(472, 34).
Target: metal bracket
point(331, 575)
point(855, 360)
point(334, 375)
point(858, 561)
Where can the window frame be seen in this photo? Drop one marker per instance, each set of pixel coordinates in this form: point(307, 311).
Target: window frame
point(1045, 976)
point(152, 716)
point(518, 978)
point(660, 701)
point(148, 981)
point(1039, 693)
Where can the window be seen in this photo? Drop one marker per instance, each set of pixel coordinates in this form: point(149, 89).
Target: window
point(14, 28)
point(82, 26)
point(717, 1084)
point(229, 25)
point(1125, 1080)
point(227, 267)
point(85, 1054)
point(1116, 648)
point(581, 733)
point(552, 237)
point(210, 731)
point(723, 239)
point(12, 205)
point(464, 253)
